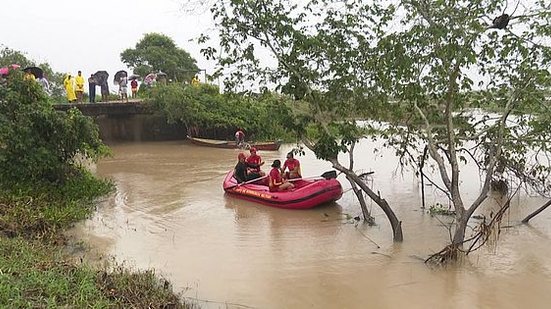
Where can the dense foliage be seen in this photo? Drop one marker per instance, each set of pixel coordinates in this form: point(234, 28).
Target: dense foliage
point(157, 52)
point(37, 143)
point(207, 113)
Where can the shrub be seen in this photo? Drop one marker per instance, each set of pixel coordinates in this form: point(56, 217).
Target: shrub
point(38, 143)
point(206, 112)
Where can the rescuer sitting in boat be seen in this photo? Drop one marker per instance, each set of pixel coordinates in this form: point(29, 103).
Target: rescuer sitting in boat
point(293, 165)
point(254, 162)
point(241, 172)
point(276, 182)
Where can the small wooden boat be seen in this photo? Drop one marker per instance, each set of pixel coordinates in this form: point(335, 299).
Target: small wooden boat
point(307, 193)
point(233, 145)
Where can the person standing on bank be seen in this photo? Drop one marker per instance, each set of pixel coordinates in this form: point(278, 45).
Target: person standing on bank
point(68, 83)
point(104, 88)
point(79, 81)
point(92, 89)
point(134, 88)
point(123, 88)
point(43, 81)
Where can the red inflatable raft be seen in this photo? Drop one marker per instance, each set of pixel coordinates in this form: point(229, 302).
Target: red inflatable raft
point(307, 193)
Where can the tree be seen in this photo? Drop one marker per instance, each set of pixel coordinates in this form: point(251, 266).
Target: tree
point(157, 52)
point(429, 67)
point(37, 143)
point(9, 56)
point(414, 64)
point(206, 112)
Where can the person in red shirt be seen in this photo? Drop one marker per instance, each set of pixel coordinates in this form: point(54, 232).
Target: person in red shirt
point(275, 181)
point(255, 162)
point(134, 87)
point(239, 138)
point(293, 165)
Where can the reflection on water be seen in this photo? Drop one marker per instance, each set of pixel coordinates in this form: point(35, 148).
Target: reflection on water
point(170, 212)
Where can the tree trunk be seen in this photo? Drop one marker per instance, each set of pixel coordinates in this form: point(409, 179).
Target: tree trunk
point(459, 235)
point(421, 165)
point(535, 213)
point(367, 216)
point(383, 204)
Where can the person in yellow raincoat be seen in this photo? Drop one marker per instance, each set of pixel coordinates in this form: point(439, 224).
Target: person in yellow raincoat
point(69, 84)
point(195, 81)
point(29, 76)
point(79, 81)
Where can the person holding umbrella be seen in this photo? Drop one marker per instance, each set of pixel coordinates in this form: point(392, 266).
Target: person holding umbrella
point(33, 73)
point(123, 87)
point(104, 91)
point(29, 76)
point(43, 81)
point(195, 81)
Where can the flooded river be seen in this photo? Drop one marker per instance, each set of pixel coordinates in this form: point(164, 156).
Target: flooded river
point(169, 212)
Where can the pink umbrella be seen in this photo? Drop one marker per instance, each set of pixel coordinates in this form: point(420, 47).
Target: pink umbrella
point(6, 70)
point(150, 78)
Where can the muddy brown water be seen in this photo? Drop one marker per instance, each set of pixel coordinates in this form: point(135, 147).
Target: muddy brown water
point(169, 212)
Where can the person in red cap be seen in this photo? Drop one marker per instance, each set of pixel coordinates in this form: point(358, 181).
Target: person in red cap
point(255, 162)
point(275, 181)
point(241, 170)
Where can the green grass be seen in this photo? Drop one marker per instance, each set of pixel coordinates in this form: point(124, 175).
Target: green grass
point(41, 210)
point(34, 275)
point(34, 271)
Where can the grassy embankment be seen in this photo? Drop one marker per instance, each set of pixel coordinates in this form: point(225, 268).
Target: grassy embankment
point(36, 273)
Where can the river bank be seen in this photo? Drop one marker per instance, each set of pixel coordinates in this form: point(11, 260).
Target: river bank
point(37, 270)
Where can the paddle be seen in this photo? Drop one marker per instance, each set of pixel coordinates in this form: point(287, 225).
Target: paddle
point(246, 182)
point(326, 175)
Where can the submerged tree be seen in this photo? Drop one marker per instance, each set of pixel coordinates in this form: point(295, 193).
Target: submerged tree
point(415, 64)
point(431, 65)
point(157, 52)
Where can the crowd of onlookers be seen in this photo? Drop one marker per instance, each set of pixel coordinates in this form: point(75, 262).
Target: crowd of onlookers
point(74, 85)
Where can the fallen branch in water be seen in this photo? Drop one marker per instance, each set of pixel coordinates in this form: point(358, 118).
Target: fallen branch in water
point(535, 213)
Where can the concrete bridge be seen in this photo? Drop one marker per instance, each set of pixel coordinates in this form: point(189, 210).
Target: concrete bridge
point(128, 121)
point(107, 108)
